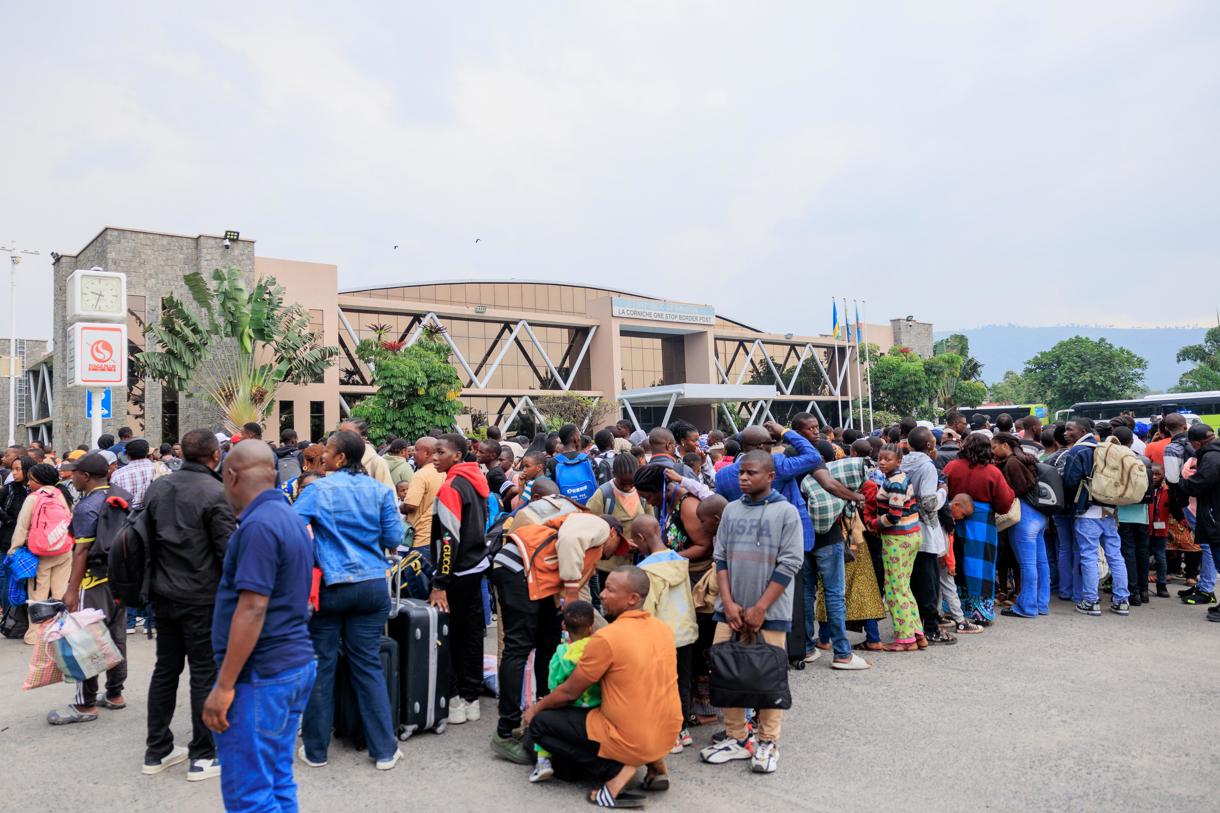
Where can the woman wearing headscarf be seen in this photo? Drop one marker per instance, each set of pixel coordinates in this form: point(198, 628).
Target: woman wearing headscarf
point(12, 497)
point(974, 544)
point(1028, 536)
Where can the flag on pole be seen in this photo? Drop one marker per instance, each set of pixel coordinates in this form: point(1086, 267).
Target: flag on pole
point(834, 318)
point(859, 332)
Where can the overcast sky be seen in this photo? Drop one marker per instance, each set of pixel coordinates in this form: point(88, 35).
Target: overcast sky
point(936, 159)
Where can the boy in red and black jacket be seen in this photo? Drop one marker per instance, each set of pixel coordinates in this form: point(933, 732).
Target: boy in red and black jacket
point(459, 551)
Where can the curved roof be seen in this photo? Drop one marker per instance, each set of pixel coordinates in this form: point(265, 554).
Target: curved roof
point(613, 291)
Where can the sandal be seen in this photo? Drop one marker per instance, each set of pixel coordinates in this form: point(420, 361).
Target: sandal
point(70, 714)
point(897, 647)
point(601, 797)
point(655, 781)
point(921, 641)
point(870, 646)
point(106, 703)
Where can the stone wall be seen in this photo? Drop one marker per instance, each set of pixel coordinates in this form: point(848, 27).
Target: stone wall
point(155, 265)
point(912, 334)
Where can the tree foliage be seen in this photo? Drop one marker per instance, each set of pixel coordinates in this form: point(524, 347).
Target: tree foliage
point(417, 387)
point(1082, 369)
point(238, 347)
point(568, 407)
point(1205, 376)
point(905, 384)
point(1013, 388)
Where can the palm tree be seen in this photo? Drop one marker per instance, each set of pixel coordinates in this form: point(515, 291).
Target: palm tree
point(238, 349)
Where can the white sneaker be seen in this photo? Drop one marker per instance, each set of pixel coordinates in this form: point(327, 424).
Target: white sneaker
point(543, 770)
point(725, 751)
point(766, 757)
point(472, 711)
point(457, 711)
point(174, 757)
point(387, 764)
point(305, 759)
point(202, 769)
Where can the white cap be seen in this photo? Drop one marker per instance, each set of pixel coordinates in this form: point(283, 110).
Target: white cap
point(110, 456)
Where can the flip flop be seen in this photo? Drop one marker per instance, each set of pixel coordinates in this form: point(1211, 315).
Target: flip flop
point(656, 781)
point(870, 646)
point(601, 797)
point(69, 715)
point(854, 665)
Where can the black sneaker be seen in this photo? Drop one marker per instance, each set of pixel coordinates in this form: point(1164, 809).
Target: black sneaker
point(1120, 608)
point(1135, 600)
point(1200, 598)
point(1144, 599)
point(1162, 591)
point(1189, 591)
point(1089, 608)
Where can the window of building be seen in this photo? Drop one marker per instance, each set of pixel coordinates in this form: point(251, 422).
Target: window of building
point(169, 415)
point(317, 420)
point(286, 415)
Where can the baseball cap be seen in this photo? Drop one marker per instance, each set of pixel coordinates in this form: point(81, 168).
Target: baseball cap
point(77, 454)
point(68, 465)
point(94, 464)
point(110, 457)
point(221, 437)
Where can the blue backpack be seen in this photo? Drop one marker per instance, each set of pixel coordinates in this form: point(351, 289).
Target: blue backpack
point(575, 478)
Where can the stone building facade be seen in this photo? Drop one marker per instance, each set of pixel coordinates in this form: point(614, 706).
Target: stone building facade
point(155, 265)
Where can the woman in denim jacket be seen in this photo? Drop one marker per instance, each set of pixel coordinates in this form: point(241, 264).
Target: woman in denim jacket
point(354, 520)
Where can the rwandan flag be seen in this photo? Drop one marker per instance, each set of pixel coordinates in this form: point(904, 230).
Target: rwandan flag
point(834, 318)
point(859, 333)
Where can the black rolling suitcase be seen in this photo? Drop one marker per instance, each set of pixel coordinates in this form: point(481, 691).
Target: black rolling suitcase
point(796, 636)
point(347, 723)
point(422, 633)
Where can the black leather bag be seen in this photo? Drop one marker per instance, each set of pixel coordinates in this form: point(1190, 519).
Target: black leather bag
point(749, 675)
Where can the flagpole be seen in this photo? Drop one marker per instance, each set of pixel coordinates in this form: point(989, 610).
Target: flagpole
point(847, 361)
point(859, 375)
point(834, 343)
point(870, 375)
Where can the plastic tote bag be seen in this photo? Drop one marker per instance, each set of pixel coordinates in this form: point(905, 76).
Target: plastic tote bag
point(43, 669)
point(81, 645)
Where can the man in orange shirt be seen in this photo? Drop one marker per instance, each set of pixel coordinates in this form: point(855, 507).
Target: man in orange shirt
point(634, 659)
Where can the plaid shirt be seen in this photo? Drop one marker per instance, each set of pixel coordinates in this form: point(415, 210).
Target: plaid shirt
point(135, 478)
point(825, 508)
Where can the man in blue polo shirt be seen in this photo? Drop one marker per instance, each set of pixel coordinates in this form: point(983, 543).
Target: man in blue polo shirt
point(260, 635)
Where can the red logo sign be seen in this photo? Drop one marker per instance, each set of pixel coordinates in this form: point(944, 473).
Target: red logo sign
point(101, 351)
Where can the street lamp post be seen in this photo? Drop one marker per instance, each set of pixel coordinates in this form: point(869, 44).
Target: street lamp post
point(14, 258)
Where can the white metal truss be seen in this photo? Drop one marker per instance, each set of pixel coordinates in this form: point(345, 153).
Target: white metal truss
point(507, 342)
point(808, 351)
point(522, 402)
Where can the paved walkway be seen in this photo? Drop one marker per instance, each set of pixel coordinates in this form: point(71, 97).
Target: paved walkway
point(1066, 713)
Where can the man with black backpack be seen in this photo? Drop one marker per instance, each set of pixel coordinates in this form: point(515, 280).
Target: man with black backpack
point(189, 523)
point(96, 520)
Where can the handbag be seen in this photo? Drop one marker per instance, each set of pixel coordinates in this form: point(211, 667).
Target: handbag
point(81, 644)
point(750, 675)
point(1009, 519)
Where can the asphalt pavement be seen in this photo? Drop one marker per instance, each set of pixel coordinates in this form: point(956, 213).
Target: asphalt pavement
point(1063, 713)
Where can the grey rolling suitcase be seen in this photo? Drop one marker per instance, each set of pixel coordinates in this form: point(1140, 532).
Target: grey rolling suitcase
point(422, 633)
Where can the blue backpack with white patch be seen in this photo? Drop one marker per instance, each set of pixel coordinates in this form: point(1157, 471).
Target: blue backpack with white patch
point(575, 478)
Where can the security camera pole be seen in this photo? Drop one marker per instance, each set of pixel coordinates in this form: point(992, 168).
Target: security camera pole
point(15, 259)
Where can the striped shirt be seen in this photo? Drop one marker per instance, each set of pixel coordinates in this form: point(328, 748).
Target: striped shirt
point(897, 506)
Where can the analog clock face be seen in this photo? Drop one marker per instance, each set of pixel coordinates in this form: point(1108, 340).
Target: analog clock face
point(101, 294)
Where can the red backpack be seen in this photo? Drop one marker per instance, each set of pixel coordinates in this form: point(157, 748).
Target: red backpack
point(50, 526)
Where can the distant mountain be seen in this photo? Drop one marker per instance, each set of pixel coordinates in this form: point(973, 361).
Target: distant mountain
point(1007, 347)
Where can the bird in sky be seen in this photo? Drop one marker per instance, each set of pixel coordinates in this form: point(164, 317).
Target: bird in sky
point(395, 247)
point(477, 239)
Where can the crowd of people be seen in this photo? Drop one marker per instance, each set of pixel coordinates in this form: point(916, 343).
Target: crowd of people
point(611, 565)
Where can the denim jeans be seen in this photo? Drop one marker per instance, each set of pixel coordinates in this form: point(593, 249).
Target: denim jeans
point(829, 562)
point(809, 570)
point(1091, 532)
point(352, 615)
point(256, 750)
point(1051, 535)
point(1069, 558)
point(1029, 547)
point(1207, 569)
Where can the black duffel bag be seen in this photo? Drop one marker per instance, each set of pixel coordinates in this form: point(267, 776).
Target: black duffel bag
point(750, 675)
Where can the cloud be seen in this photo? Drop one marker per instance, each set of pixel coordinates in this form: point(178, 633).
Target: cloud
point(921, 156)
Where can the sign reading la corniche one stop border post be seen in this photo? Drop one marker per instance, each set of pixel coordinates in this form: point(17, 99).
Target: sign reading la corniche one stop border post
point(98, 354)
point(659, 311)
